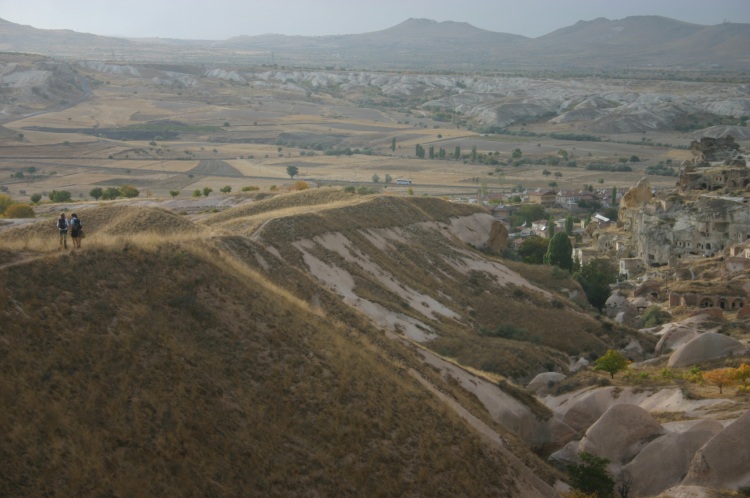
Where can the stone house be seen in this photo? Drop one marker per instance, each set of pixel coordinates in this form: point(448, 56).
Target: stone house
point(546, 198)
point(725, 301)
point(631, 267)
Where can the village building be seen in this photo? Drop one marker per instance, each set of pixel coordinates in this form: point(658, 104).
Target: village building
point(725, 301)
point(546, 198)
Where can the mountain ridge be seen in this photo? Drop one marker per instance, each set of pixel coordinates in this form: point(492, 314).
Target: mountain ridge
point(424, 43)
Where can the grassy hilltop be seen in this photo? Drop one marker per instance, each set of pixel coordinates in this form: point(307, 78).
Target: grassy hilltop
point(158, 361)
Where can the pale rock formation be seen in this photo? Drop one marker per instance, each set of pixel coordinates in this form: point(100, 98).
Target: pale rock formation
point(724, 461)
point(567, 455)
point(637, 196)
point(688, 492)
point(673, 337)
point(671, 454)
point(620, 434)
point(705, 347)
point(542, 382)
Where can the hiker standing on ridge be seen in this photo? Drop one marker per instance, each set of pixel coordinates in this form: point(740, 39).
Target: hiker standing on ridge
point(62, 225)
point(76, 227)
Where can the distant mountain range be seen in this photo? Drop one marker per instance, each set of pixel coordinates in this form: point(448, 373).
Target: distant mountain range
point(423, 44)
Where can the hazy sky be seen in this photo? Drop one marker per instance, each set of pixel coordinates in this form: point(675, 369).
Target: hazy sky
point(221, 19)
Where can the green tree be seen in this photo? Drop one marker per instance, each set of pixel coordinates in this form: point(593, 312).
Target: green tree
point(441, 153)
point(388, 178)
point(35, 198)
point(612, 362)
point(563, 153)
point(207, 190)
point(517, 153)
point(393, 145)
point(614, 196)
point(110, 193)
point(590, 476)
point(559, 252)
point(569, 225)
point(635, 159)
point(60, 196)
point(533, 249)
point(550, 227)
point(431, 152)
point(292, 171)
point(174, 193)
point(595, 278)
point(473, 153)
point(527, 213)
point(197, 193)
point(457, 153)
point(96, 193)
point(610, 213)
point(225, 189)
point(129, 191)
point(375, 178)
point(420, 151)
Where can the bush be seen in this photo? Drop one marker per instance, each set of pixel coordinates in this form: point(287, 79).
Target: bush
point(59, 196)
point(5, 202)
point(612, 362)
point(129, 191)
point(19, 211)
point(301, 185)
point(510, 331)
point(249, 189)
point(590, 476)
point(654, 315)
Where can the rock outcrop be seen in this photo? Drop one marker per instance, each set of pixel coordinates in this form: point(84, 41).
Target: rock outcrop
point(714, 149)
point(724, 461)
point(707, 346)
point(671, 454)
point(542, 382)
point(620, 434)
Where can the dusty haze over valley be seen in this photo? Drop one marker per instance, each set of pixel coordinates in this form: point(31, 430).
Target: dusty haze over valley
point(435, 255)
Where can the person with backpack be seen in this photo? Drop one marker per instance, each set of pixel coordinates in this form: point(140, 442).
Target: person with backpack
point(76, 230)
point(62, 225)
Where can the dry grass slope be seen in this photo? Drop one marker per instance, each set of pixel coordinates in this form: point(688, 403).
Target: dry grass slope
point(156, 372)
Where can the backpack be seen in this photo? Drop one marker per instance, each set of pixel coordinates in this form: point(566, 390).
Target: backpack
point(62, 224)
point(76, 223)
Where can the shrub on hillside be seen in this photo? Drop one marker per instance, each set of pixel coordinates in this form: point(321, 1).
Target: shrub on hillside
point(510, 331)
point(654, 315)
point(59, 196)
point(591, 476)
point(5, 202)
point(19, 211)
point(129, 191)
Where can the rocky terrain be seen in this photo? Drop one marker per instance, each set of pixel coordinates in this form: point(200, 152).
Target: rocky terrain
point(588, 105)
point(381, 340)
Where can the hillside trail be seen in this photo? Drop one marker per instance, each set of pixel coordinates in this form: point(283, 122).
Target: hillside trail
point(28, 257)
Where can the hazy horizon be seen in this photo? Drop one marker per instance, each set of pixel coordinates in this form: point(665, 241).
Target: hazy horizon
point(228, 18)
